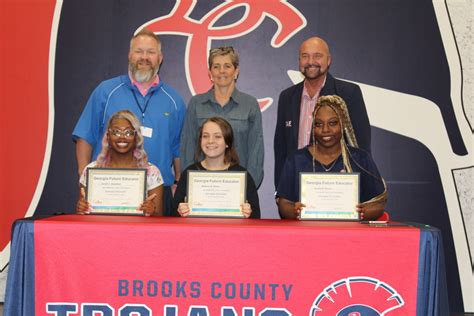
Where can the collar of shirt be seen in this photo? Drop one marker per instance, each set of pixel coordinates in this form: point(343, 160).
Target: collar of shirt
point(306, 94)
point(234, 97)
point(144, 91)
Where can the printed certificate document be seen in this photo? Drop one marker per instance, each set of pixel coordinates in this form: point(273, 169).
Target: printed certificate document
point(329, 196)
point(116, 191)
point(216, 193)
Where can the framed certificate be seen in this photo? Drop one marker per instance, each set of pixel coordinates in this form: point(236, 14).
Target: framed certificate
point(216, 193)
point(116, 191)
point(329, 196)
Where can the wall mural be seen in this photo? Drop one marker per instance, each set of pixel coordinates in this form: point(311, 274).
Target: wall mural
point(401, 53)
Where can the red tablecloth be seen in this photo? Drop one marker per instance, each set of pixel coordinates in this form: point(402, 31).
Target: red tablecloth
point(223, 266)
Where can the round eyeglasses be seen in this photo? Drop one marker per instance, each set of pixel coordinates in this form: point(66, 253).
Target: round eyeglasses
point(128, 133)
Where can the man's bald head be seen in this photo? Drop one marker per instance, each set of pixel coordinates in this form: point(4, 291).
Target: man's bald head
point(314, 58)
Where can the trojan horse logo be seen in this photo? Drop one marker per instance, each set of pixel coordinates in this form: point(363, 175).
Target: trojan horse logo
point(202, 32)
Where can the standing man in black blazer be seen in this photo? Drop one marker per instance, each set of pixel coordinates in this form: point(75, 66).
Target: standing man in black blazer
point(295, 105)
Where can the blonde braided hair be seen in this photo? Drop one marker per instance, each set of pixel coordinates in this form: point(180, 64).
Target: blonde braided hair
point(339, 106)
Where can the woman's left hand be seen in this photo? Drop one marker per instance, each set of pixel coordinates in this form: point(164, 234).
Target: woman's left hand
point(148, 206)
point(370, 211)
point(82, 206)
point(183, 209)
point(246, 209)
point(298, 208)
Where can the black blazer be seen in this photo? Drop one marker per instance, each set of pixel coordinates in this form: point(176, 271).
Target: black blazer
point(285, 142)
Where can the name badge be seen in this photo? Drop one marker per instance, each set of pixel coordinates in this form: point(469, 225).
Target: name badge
point(146, 131)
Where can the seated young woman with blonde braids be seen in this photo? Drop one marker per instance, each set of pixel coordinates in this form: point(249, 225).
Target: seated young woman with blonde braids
point(329, 152)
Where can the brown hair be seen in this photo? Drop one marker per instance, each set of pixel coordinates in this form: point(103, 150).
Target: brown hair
point(223, 51)
point(230, 155)
point(146, 32)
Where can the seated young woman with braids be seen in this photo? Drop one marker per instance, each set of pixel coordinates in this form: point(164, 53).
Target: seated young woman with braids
point(328, 152)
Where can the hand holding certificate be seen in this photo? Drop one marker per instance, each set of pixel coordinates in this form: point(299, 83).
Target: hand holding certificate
point(329, 196)
point(116, 191)
point(217, 193)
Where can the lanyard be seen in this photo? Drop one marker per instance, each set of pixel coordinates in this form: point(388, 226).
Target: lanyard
point(143, 110)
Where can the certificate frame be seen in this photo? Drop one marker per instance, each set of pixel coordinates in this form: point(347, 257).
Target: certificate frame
point(212, 193)
point(329, 196)
point(116, 191)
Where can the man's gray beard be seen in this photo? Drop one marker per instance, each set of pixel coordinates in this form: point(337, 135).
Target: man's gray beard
point(319, 75)
point(142, 76)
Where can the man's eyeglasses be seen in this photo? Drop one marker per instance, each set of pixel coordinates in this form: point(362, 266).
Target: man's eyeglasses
point(128, 133)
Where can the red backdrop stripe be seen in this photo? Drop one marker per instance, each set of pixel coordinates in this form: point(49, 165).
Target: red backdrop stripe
point(25, 38)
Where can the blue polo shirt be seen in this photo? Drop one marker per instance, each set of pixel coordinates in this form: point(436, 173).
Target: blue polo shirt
point(162, 109)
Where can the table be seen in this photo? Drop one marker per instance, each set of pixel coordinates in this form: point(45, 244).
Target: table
point(124, 265)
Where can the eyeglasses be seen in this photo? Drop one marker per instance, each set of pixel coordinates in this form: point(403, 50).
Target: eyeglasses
point(128, 133)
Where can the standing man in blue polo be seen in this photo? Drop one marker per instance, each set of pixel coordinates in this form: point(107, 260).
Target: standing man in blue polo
point(159, 107)
point(296, 104)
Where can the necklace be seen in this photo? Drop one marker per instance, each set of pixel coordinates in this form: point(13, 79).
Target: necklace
point(328, 169)
point(325, 169)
